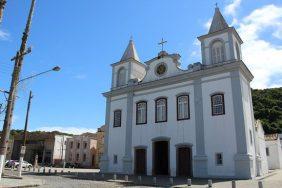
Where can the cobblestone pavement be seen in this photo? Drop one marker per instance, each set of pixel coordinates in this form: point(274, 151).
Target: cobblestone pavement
point(91, 179)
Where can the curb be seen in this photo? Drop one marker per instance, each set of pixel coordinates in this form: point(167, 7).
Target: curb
point(21, 186)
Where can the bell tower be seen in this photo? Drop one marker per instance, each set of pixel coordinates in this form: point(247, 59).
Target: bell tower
point(222, 44)
point(129, 69)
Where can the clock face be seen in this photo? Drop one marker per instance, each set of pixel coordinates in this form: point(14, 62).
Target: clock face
point(161, 69)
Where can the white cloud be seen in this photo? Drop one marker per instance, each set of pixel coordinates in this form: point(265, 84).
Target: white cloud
point(208, 24)
point(262, 57)
point(80, 76)
point(70, 130)
point(231, 9)
point(4, 35)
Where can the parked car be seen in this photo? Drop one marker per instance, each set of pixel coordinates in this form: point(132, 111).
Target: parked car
point(72, 165)
point(24, 165)
point(9, 163)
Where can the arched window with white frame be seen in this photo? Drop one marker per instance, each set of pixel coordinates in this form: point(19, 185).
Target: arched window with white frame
point(217, 52)
point(121, 77)
point(161, 110)
point(183, 111)
point(141, 112)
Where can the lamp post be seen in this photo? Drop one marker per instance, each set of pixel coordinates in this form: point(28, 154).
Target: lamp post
point(13, 88)
point(23, 148)
point(2, 6)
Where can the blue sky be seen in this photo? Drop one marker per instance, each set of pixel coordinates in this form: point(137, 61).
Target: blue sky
point(85, 37)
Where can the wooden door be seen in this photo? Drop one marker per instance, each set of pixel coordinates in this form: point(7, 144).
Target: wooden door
point(140, 161)
point(184, 162)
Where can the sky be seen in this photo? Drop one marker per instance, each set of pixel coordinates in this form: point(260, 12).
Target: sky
point(85, 37)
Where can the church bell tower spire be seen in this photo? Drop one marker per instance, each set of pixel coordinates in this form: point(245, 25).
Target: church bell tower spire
point(222, 44)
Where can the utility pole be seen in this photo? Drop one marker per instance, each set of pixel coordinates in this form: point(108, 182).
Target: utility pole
point(13, 90)
point(23, 148)
point(2, 6)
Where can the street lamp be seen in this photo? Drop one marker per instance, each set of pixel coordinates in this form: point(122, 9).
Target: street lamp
point(23, 148)
point(56, 68)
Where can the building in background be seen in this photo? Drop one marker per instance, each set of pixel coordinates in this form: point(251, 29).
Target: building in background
point(49, 146)
point(273, 151)
point(82, 150)
point(261, 158)
point(86, 149)
point(100, 142)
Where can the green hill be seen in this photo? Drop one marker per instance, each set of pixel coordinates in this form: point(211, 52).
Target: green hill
point(268, 108)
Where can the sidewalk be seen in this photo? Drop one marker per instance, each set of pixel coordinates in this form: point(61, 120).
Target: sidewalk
point(7, 182)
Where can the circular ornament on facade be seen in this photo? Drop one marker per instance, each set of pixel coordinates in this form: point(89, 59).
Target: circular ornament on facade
point(161, 69)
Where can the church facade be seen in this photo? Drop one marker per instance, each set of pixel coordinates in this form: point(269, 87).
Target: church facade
point(198, 122)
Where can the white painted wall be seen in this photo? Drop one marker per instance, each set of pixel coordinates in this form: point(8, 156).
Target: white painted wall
point(249, 119)
point(275, 154)
point(178, 131)
point(117, 135)
point(219, 130)
point(60, 147)
point(260, 151)
point(172, 69)
point(137, 71)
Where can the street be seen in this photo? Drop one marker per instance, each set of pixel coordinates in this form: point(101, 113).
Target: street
point(90, 178)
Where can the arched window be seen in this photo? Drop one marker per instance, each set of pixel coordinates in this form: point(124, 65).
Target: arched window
point(238, 52)
point(183, 107)
point(217, 52)
point(141, 112)
point(121, 77)
point(217, 104)
point(161, 110)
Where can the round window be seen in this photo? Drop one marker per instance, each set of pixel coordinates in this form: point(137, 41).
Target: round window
point(161, 69)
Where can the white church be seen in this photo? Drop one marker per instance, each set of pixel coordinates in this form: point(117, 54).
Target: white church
point(197, 122)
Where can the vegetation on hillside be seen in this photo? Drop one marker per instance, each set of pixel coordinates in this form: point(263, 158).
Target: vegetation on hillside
point(268, 108)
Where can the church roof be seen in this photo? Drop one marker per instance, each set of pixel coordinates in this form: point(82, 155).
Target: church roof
point(218, 22)
point(130, 52)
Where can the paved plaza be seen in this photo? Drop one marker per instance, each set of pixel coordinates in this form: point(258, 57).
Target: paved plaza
point(90, 178)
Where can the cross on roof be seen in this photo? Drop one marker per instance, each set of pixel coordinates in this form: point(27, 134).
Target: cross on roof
point(162, 43)
point(216, 5)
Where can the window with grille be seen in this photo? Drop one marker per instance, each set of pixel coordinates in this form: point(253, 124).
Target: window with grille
point(217, 104)
point(115, 159)
point(219, 159)
point(141, 112)
point(117, 118)
point(161, 110)
point(183, 111)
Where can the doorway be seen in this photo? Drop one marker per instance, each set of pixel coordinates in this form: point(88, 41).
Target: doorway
point(161, 157)
point(140, 161)
point(184, 161)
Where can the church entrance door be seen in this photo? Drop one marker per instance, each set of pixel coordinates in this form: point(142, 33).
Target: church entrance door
point(161, 157)
point(184, 161)
point(140, 161)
